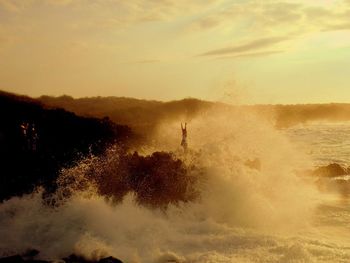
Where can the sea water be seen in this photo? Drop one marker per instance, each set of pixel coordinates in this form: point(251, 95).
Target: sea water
point(325, 142)
point(243, 214)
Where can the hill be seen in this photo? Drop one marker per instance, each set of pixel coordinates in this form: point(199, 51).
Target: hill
point(144, 115)
point(36, 142)
point(141, 115)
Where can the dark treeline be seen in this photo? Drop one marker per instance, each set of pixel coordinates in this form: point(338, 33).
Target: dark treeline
point(36, 142)
point(144, 115)
point(141, 115)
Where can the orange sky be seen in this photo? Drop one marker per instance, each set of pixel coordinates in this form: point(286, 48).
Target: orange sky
point(231, 50)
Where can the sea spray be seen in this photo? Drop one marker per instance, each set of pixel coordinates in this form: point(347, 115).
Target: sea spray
point(241, 213)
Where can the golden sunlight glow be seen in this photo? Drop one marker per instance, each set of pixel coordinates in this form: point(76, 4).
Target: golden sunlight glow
point(269, 51)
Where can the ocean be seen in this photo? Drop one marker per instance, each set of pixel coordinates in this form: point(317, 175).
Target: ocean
point(266, 213)
point(324, 142)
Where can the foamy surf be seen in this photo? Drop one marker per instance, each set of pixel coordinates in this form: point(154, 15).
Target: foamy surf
point(94, 228)
point(242, 214)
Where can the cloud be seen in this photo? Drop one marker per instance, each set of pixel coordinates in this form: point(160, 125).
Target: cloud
point(127, 11)
point(254, 54)
point(253, 15)
point(266, 17)
point(253, 45)
point(88, 20)
point(343, 26)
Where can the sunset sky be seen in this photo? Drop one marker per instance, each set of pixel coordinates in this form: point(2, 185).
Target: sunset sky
point(237, 51)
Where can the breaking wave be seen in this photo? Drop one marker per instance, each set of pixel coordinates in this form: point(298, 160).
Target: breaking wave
point(235, 196)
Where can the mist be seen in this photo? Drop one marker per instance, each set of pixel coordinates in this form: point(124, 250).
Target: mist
point(241, 212)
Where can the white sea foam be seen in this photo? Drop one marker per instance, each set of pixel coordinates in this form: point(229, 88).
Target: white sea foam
point(243, 214)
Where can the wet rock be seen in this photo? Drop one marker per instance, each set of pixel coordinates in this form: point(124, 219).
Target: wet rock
point(331, 170)
point(20, 259)
point(12, 259)
point(28, 258)
point(109, 260)
point(77, 259)
point(30, 254)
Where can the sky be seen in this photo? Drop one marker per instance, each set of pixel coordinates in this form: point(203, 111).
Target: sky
point(235, 51)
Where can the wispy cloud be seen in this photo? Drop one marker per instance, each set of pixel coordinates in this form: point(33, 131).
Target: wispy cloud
point(116, 12)
point(253, 54)
point(250, 46)
point(254, 15)
point(265, 17)
point(343, 26)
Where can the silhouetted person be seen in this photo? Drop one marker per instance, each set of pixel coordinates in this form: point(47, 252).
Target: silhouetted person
point(34, 138)
point(25, 128)
point(184, 136)
point(30, 136)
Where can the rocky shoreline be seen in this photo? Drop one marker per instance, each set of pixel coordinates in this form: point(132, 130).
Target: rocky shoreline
point(31, 257)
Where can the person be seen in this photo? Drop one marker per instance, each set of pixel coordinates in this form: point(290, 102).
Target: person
point(184, 136)
point(34, 138)
point(25, 130)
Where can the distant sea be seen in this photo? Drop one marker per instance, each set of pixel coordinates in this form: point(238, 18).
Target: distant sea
point(325, 142)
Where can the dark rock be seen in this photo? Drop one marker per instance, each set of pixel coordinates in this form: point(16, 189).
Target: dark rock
point(331, 170)
point(156, 180)
point(110, 260)
point(30, 253)
point(12, 259)
point(19, 259)
point(77, 259)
